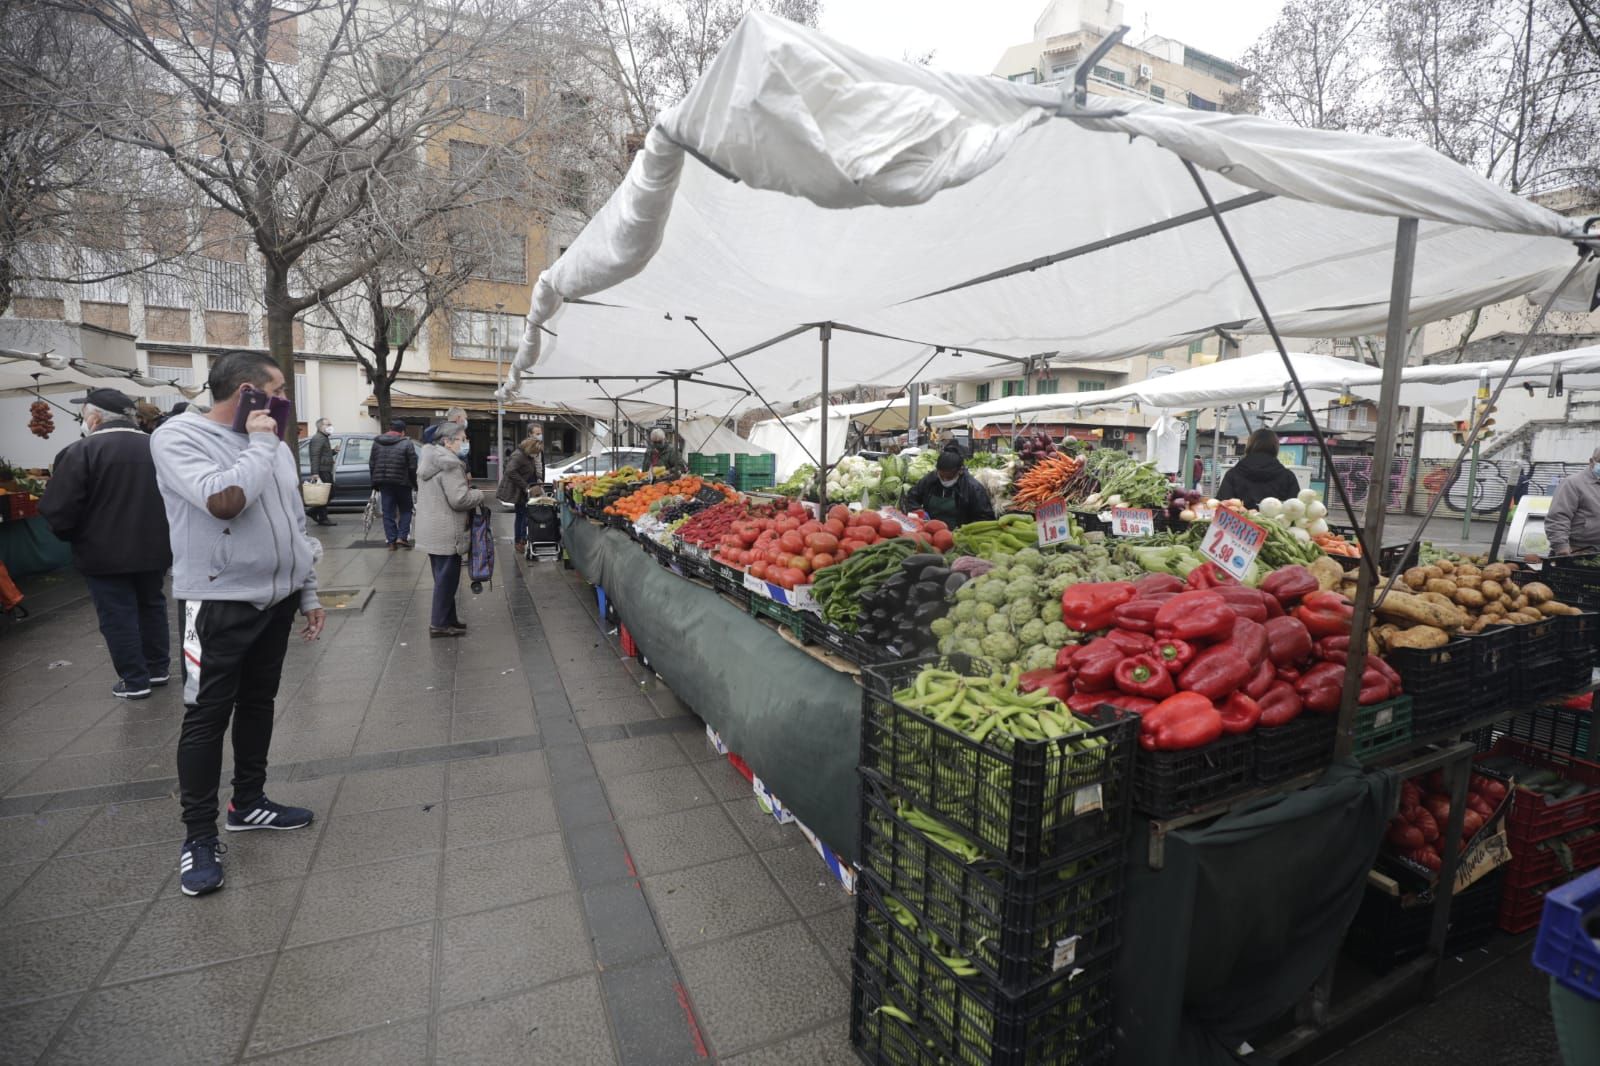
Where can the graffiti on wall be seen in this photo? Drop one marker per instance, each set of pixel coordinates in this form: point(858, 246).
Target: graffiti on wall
point(1492, 489)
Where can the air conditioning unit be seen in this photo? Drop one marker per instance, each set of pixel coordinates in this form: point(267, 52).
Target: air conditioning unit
point(1117, 434)
point(1145, 72)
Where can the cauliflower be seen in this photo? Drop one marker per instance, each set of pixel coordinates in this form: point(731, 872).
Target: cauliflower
point(999, 623)
point(1020, 588)
point(1021, 611)
point(1031, 633)
point(964, 611)
point(983, 612)
point(973, 630)
point(1039, 658)
point(1030, 557)
point(1001, 647)
point(1050, 609)
point(942, 627)
point(992, 592)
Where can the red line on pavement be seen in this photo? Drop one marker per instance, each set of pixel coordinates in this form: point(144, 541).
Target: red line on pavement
point(688, 1015)
point(629, 860)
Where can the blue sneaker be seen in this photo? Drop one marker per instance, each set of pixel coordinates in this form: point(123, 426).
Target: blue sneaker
point(264, 814)
point(199, 870)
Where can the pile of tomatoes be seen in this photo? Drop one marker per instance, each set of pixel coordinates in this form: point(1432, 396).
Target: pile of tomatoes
point(1417, 831)
point(788, 547)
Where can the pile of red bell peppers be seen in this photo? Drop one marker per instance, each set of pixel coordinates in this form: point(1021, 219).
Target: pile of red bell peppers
point(1205, 658)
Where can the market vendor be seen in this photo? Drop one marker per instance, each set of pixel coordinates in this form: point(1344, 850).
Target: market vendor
point(950, 494)
point(1259, 474)
point(1573, 522)
point(663, 453)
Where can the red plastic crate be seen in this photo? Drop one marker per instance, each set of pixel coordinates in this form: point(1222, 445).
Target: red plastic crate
point(629, 648)
point(1521, 908)
point(741, 766)
point(1536, 864)
point(1532, 819)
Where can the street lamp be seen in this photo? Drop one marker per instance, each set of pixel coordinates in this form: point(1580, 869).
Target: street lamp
point(499, 400)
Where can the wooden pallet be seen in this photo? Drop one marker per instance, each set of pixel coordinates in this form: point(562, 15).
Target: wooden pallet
point(823, 656)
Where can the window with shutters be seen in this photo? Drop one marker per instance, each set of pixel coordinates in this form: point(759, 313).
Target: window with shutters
point(224, 286)
point(1085, 385)
point(1045, 386)
point(482, 94)
point(1014, 387)
point(983, 393)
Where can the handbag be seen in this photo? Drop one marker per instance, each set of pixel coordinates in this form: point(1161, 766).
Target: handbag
point(316, 493)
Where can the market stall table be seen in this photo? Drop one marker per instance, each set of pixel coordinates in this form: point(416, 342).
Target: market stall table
point(28, 547)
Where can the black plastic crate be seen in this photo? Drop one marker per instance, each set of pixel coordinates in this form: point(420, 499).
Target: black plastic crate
point(1169, 783)
point(1391, 930)
point(1571, 580)
point(1537, 638)
point(1398, 558)
point(1538, 678)
point(909, 1006)
point(1577, 673)
point(848, 646)
point(1023, 801)
point(1491, 651)
point(1578, 633)
point(1013, 926)
point(730, 582)
point(1554, 728)
point(1432, 715)
point(1442, 669)
point(1294, 748)
point(1493, 693)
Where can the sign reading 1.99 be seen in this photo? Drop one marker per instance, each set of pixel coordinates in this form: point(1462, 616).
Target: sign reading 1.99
point(1232, 542)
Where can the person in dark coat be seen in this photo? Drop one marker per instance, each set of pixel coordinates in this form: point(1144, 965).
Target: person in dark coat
point(950, 494)
point(523, 471)
point(1259, 474)
point(103, 499)
point(393, 466)
point(320, 455)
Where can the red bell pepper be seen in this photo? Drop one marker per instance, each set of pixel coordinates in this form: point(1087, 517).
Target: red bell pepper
point(1088, 703)
point(1322, 687)
point(1158, 583)
point(1137, 615)
point(1094, 668)
point(1240, 714)
point(1208, 576)
point(1280, 705)
point(1129, 641)
point(1247, 603)
point(1289, 584)
point(1183, 720)
point(1174, 654)
point(1195, 616)
point(1265, 677)
point(1327, 645)
point(1090, 606)
point(1144, 675)
point(1216, 672)
point(1056, 682)
point(1326, 614)
point(1250, 638)
point(1066, 655)
point(1396, 685)
point(1374, 687)
point(1288, 641)
point(1290, 674)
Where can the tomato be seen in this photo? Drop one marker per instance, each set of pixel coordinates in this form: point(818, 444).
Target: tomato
point(808, 528)
point(792, 542)
point(842, 554)
point(1471, 822)
point(865, 520)
point(800, 563)
point(795, 508)
point(850, 544)
point(822, 542)
point(865, 535)
point(820, 560)
point(839, 512)
point(934, 526)
point(759, 570)
point(834, 526)
point(943, 540)
point(784, 525)
point(796, 577)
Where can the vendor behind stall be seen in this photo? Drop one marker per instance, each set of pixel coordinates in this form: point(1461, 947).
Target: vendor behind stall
point(1573, 522)
point(950, 494)
point(1259, 474)
point(663, 453)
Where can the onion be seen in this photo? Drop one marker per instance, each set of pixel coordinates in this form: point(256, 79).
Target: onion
point(1187, 515)
point(1316, 509)
point(1299, 534)
point(1271, 507)
point(1317, 527)
point(1294, 510)
point(1307, 495)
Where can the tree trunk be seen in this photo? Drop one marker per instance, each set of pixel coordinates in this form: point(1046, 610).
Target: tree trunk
point(280, 326)
point(381, 382)
point(7, 279)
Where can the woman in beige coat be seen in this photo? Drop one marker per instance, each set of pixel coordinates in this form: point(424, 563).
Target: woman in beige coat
point(444, 515)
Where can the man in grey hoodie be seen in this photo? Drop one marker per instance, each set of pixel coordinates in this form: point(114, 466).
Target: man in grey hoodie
point(242, 566)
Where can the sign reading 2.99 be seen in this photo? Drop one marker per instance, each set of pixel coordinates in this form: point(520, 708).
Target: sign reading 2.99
point(1232, 542)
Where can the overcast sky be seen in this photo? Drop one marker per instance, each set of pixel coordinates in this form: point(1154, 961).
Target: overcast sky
point(970, 35)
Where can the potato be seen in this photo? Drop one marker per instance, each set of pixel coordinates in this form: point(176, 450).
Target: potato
point(1491, 589)
point(1416, 577)
point(1447, 565)
point(1471, 598)
point(1497, 572)
point(1409, 608)
point(1432, 570)
point(1443, 586)
point(1467, 581)
point(1374, 645)
point(1436, 597)
point(1552, 607)
point(1522, 618)
point(1329, 574)
point(1520, 602)
point(1537, 592)
point(1467, 570)
point(1420, 637)
point(1477, 624)
point(1493, 610)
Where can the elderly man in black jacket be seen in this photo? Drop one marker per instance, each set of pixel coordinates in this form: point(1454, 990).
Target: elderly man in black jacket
point(102, 498)
point(319, 452)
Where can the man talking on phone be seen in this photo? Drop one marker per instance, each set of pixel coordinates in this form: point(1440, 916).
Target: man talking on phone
point(242, 567)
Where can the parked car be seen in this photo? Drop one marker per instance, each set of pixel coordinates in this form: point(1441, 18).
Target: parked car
point(600, 461)
point(352, 481)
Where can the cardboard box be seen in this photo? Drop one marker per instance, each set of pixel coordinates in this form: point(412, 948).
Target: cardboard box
point(770, 802)
point(842, 871)
point(715, 740)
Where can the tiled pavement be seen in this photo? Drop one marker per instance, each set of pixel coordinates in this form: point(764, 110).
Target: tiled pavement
point(524, 853)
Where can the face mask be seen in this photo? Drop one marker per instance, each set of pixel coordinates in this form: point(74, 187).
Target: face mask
point(950, 483)
point(1595, 469)
point(466, 447)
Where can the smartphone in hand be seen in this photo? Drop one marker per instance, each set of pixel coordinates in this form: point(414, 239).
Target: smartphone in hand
point(252, 399)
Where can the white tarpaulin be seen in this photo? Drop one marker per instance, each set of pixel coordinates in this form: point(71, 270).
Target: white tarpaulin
point(709, 436)
point(792, 455)
point(875, 416)
point(973, 212)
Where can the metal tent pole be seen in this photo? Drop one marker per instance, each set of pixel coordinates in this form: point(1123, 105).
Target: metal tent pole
point(1394, 361)
point(675, 416)
point(825, 332)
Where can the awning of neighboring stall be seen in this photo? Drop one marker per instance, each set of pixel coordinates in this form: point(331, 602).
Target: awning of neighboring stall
point(28, 373)
point(934, 209)
point(710, 437)
point(434, 396)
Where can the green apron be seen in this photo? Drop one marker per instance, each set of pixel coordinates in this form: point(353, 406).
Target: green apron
point(946, 509)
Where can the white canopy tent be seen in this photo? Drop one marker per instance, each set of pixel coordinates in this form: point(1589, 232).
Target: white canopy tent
point(711, 437)
point(871, 416)
point(23, 373)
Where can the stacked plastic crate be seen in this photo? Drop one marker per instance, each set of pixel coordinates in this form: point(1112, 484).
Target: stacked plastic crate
point(1554, 828)
point(991, 887)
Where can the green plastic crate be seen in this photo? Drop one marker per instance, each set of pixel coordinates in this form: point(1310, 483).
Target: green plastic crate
point(709, 464)
point(786, 617)
point(1382, 727)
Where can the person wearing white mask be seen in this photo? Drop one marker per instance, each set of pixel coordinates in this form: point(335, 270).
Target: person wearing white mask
point(950, 494)
point(445, 502)
point(1573, 523)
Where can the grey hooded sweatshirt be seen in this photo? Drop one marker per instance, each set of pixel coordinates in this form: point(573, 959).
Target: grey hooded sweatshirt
point(238, 521)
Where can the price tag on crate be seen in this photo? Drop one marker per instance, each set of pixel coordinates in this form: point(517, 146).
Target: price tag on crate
point(1052, 522)
point(1065, 955)
point(1232, 542)
point(756, 585)
point(1132, 522)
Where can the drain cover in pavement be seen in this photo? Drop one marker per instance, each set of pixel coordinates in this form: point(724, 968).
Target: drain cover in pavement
point(344, 599)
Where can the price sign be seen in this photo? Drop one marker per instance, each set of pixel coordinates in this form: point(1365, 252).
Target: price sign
point(1052, 522)
point(1232, 542)
point(1132, 521)
point(756, 585)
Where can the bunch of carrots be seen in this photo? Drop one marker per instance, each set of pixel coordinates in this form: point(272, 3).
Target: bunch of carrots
point(1045, 479)
point(1334, 544)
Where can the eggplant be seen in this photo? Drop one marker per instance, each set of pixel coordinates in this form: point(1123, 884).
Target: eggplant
point(934, 573)
point(927, 612)
point(926, 592)
point(954, 582)
point(880, 615)
point(895, 581)
point(905, 629)
point(915, 564)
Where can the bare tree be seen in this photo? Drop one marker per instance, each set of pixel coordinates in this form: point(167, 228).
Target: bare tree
point(302, 124)
point(1309, 66)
